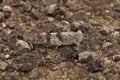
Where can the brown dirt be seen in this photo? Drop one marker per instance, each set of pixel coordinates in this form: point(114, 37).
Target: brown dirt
point(98, 19)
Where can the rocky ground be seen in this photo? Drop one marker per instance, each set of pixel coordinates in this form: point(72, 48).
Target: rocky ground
point(59, 39)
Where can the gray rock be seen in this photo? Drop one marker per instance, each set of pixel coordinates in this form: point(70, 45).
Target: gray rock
point(94, 65)
point(84, 55)
point(77, 37)
point(3, 65)
point(55, 40)
point(23, 45)
point(66, 38)
point(69, 38)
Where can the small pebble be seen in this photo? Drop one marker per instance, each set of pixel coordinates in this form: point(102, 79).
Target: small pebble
point(116, 57)
point(59, 13)
point(55, 40)
point(69, 38)
point(94, 22)
point(3, 65)
point(51, 8)
point(7, 8)
point(43, 37)
point(11, 25)
point(35, 14)
point(94, 65)
point(6, 49)
point(26, 5)
point(26, 68)
point(106, 44)
point(4, 25)
point(34, 75)
point(7, 56)
point(115, 34)
point(84, 55)
point(105, 30)
point(23, 44)
point(76, 24)
point(68, 14)
point(66, 64)
point(66, 25)
point(50, 19)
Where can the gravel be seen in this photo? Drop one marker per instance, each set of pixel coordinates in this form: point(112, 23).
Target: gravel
point(59, 40)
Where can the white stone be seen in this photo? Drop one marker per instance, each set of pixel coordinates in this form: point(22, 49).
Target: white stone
point(7, 56)
point(7, 8)
point(23, 44)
